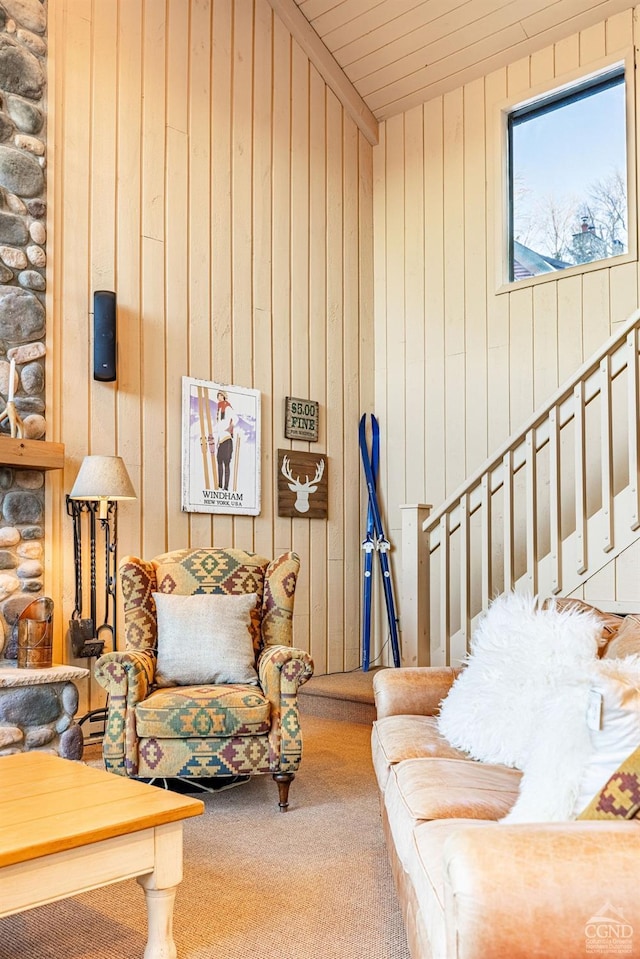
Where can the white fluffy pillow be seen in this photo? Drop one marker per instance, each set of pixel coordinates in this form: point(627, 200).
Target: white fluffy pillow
point(588, 729)
point(520, 653)
point(205, 638)
point(556, 761)
point(615, 686)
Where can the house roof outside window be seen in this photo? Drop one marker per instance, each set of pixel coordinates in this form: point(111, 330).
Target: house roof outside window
point(527, 263)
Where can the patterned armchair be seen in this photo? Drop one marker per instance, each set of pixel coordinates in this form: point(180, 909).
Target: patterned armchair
point(212, 730)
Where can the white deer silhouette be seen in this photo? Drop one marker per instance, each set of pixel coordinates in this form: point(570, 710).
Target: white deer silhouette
point(302, 490)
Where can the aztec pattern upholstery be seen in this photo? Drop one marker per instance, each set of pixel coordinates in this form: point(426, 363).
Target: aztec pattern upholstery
point(203, 731)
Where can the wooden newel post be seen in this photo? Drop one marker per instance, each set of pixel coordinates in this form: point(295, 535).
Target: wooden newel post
point(415, 586)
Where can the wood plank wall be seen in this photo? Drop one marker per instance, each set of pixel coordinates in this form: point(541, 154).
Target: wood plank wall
point(458, 366)
point(201, 168)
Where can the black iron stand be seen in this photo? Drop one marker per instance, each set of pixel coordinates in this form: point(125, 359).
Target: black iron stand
point(88, 639)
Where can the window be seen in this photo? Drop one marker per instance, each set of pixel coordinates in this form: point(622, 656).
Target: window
point(568, 177)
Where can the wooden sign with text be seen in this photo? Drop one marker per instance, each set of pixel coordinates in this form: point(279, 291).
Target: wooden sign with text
point(301, 419)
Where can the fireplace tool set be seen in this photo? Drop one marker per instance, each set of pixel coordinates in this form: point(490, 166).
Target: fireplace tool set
point(100, 483)
point(87, 638)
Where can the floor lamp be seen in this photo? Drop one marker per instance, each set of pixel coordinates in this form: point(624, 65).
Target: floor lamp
point(100, 484)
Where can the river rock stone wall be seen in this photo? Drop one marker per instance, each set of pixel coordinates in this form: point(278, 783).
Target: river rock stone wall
point(23, 235)
point(40, 715)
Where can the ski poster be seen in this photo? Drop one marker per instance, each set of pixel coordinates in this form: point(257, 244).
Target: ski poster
point(220, 448)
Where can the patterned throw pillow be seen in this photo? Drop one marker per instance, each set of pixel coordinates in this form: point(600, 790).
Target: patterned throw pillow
point(619, 798)
point(204, 639)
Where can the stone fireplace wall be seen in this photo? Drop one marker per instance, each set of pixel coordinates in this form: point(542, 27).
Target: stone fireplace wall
point(23, 125)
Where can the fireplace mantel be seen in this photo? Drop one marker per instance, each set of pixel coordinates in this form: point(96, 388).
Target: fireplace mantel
point(31, 454)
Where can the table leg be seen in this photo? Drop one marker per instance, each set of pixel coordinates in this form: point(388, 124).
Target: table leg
point(160, 944)
point(160, 891)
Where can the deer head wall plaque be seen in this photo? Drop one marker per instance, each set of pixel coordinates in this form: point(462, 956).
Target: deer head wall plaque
point(302, 484)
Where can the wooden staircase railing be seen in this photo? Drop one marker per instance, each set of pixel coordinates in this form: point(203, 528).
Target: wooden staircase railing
point(556, 503)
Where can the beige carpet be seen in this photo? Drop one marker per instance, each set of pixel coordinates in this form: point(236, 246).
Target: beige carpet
point(347, 696)
point(312, 883)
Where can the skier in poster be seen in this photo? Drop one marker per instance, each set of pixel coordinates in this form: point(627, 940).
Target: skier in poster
point(225, 418)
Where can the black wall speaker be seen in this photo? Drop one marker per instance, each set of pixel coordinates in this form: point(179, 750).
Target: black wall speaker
point(104, 336)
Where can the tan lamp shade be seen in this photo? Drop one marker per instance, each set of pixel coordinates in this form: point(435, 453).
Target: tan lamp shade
point(103, 478)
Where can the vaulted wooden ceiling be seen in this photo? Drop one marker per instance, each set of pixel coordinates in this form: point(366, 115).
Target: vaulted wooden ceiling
point(399, 53)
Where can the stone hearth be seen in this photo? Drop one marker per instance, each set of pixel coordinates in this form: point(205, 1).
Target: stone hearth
point(37, 710)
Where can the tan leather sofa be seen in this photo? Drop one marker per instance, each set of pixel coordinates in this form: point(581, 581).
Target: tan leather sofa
point(472, 888)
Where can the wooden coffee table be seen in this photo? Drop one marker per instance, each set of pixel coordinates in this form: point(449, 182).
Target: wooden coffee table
point(66, 828)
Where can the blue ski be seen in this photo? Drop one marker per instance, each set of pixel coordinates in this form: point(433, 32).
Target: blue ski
point(375, 540)
point(369, 546)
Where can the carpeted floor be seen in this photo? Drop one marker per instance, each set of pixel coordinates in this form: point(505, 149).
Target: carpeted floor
point(313, 883)
point(347, 696)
